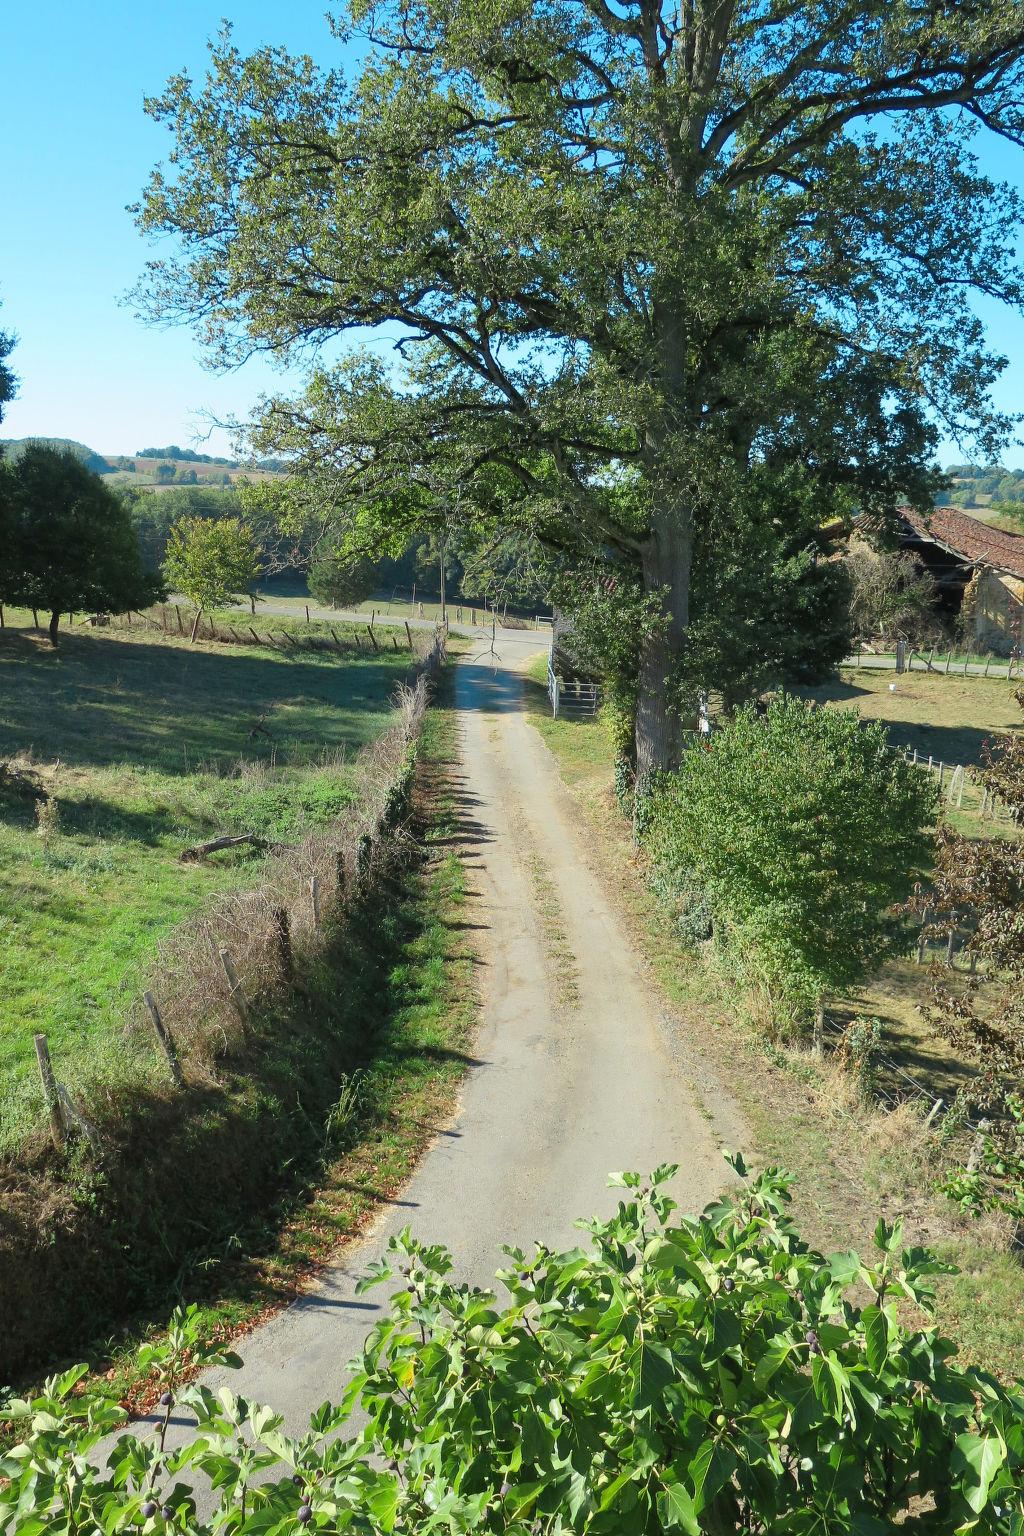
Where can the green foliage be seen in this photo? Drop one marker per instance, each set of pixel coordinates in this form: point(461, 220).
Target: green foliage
point(893, 595)
point(338, 577)
point(802, 830)
point(211, 561)
point(696, 1375)
point(996, 1181)
point(980, 882)
point(186, 454)
point(662, 298)
point(8, 382)
point(155, 513)
point(70, 543)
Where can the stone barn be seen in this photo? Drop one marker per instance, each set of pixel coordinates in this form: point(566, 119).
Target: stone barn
point(979, 571)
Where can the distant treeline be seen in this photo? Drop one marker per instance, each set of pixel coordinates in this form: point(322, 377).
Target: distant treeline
point(13, 447)
point(186, 455)
point(982, 485)
point(173, 456)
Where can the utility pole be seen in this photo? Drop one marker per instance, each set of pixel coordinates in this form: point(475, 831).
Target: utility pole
point(441, 559)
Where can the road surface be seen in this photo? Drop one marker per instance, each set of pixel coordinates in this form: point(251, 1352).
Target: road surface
point(563, 1091)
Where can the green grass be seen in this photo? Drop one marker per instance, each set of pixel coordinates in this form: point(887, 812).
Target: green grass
point(340, 1100)
point(850, 1167)
point(145, 746)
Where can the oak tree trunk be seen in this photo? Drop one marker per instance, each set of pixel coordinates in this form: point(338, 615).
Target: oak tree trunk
point(53, 627)
point(667, 559)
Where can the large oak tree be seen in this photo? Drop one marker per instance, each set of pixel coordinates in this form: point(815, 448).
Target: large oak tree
point(715, 256)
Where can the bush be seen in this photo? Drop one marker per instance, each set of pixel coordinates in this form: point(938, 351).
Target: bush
point(803, 831)
point(705, 1375)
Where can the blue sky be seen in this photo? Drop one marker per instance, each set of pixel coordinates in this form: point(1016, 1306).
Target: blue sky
point(77, 148)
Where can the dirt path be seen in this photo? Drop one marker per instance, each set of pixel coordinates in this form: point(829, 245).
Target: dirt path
point(577, 1072)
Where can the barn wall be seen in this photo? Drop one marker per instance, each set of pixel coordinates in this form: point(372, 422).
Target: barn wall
point(996, 606)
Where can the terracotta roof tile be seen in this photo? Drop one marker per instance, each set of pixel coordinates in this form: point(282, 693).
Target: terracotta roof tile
point(974, 540)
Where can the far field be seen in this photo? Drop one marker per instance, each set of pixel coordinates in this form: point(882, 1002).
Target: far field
point(942, 717)
point(146, 745)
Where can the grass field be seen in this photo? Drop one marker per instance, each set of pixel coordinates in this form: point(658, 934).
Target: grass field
point(270, 604)
point(145, 745)
point(943, 717)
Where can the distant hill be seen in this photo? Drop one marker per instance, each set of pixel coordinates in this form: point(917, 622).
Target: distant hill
point(982, 485)
point(14, 447)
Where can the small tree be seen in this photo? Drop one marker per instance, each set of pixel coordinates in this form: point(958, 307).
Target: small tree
point(211, 561)
point(801, 831)
point(338, 577)
point(69, 542)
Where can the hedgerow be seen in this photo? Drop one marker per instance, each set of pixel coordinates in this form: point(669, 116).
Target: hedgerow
point(710, 1374)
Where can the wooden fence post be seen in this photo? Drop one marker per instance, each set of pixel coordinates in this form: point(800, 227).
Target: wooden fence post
point(950, 948)
point(373, 637)
point(363, 855)
point(394, 641)
point(949, 658)
point(979, 1145)
point(234, 986)
point(922, 942)
point(819, 1031)
point(307, 613)
point(408, 632)
point(283, 938)
point(177, 614)
point(314, 899)
point(254, 635)
point(339, 869)
point(50, 1096)
point(164, 1040)
point(932, 1113)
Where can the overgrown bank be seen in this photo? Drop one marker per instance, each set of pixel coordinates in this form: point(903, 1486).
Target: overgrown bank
point(190, 1188)
point(850, 1160)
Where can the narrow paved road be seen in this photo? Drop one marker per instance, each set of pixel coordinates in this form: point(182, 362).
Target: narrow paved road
point(564, 1091)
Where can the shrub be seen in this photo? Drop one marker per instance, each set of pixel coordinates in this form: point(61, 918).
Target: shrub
point(980, 881)
point(803, 830)
point(707, 1374)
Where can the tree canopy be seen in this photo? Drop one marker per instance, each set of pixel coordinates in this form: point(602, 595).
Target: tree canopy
point(211, 561)
point(8, 383)
point(70, 543)
point(657, 274)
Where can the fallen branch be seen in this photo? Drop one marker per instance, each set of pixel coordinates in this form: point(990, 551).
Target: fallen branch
point(193, 855)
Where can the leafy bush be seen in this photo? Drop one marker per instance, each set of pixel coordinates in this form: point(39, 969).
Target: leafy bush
point(704, 1375)
point(804, 831)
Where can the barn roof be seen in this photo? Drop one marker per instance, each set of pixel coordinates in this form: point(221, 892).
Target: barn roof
point(976, 542)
